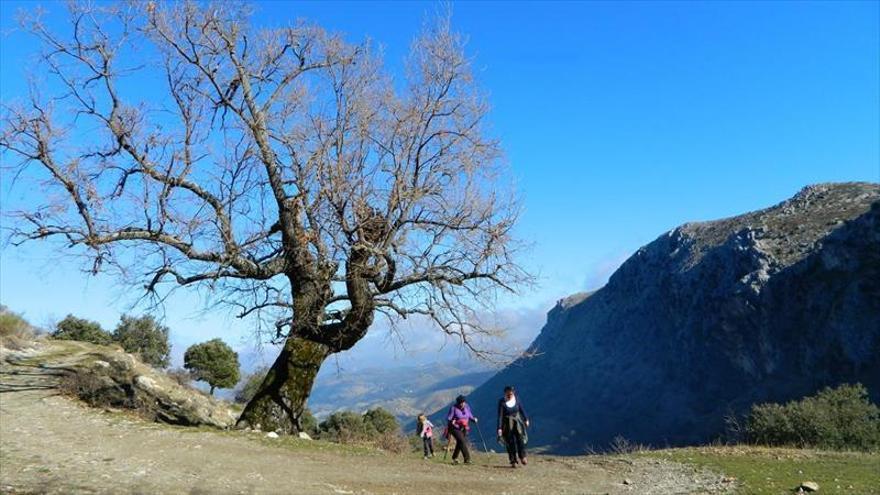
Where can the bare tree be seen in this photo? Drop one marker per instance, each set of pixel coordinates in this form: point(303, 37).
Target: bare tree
point(282, 169)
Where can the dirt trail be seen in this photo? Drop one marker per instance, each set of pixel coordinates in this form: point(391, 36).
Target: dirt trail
point(52, 444)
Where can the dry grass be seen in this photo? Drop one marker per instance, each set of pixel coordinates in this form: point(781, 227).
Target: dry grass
point(15, 333)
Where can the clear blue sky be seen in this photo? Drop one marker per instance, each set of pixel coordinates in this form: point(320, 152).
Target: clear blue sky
point(620, 121)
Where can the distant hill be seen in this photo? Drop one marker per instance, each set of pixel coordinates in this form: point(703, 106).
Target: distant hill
point(406, 391)
point(708, 319)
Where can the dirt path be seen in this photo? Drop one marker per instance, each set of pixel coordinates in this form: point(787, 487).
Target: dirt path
point(52, 444)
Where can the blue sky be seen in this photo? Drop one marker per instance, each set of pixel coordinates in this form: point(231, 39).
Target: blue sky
point(619, 120)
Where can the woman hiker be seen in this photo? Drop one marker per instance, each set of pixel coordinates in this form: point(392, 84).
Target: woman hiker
point(512, 425)
point(458, 418)
point(425, 430)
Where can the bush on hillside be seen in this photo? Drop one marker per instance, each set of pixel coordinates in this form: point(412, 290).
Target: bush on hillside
point(380, 421)
point(73, 328)
point(343, 427)
point(97, 390)
point(145, 337)
point(377, 427)
point(12, 323)
point(15, 331)
point(213, 362)
point(839, 418)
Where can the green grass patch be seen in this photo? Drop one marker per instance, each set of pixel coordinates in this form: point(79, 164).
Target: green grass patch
point(291, 442)
point(763, 470)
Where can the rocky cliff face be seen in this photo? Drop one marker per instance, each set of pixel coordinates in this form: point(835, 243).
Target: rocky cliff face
point(708, 319)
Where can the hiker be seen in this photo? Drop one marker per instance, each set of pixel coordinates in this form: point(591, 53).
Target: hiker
point(512, 426)
point(458, 425)
point(425, 430)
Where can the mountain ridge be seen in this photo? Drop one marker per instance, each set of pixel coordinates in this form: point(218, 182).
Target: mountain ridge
point(707, 319)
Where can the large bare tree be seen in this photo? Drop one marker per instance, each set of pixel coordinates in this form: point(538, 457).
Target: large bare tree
point(283, 169)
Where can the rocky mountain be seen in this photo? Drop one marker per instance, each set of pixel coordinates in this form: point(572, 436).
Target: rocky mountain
point(706, 320)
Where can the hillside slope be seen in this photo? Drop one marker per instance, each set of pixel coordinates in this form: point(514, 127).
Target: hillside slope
point(708, 319)
point(51, 444)
point(106, 376)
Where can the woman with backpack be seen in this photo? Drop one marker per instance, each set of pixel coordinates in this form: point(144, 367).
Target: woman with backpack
point(512, 426)
point(458, 426)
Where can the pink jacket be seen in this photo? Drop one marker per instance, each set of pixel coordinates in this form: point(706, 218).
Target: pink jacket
point(427, 430)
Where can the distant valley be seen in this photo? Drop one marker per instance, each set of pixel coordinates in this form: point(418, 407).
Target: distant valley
point(406, 391)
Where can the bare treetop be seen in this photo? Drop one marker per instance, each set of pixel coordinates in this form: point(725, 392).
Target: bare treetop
point(282, 168)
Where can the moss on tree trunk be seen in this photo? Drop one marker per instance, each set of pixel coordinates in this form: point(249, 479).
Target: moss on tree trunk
point(279, 403)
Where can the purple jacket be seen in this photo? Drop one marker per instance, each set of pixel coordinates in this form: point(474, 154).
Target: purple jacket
point(456, 414)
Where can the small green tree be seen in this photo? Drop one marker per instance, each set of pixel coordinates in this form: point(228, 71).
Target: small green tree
point(213, 362)
point(380, 421)
point(73, 328)
point(145, 337)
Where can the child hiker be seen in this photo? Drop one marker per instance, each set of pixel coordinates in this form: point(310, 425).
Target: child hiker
point(425, 430)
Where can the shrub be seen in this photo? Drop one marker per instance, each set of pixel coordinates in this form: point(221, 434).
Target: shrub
point(12, 323)
point(249, 386)
point(73, 328)
point(107, 389)
point(380, 421)
point(620, 445)
point(145, 337)
point(394, 442)
point(377, 427)
point(835, 418)
point(213, 362)
point(15, 331)
point(343, 427)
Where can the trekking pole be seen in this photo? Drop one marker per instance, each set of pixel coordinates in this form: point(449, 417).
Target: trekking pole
point(486, 449)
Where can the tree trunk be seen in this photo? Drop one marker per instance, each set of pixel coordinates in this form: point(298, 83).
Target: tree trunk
point(212, 391)
point(279, 403)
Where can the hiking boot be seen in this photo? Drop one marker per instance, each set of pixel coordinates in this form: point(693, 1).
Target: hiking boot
point(426, 458)
point(455, 462)
point(467, 462)
point(513, 465)
point(523, 461)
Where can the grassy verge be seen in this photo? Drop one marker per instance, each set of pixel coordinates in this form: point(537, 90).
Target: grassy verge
point(761, 470)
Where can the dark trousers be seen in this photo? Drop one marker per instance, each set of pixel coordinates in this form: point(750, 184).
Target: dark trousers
point(428, 445)
point(461, 444)
point(515, 446)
